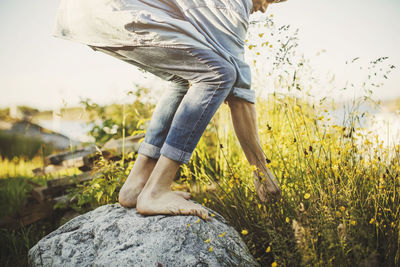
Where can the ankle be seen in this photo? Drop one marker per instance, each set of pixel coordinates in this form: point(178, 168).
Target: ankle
point(154, 191)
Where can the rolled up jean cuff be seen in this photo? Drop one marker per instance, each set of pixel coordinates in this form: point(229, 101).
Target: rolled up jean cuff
point(175, 153)
point(149, 150)
point(243, 93)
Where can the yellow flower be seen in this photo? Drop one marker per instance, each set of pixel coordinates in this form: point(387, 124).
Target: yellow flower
point(261, 34)
point(207, 241)
point(245, 232)
point(251, 46)
point(342, 209)
point(372, 221)
point(287, 220)
point(307, 196)
point(198, 220)
point(188, 224)
point(212, 214)
point(221, 235)
point(270, 46)
point(210, 249)
point(353, 222)
point(338, 213)
point(274, 264)
point(268, 249)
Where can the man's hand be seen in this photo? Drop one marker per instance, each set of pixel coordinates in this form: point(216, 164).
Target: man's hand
point(262, 5)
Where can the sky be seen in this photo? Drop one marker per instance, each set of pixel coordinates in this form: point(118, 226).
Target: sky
point(45, 72)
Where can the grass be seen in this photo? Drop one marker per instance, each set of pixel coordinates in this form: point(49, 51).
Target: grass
point(340, 185)
point(15, 178)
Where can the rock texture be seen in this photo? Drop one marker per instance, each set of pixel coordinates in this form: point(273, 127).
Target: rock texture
point(115, 236)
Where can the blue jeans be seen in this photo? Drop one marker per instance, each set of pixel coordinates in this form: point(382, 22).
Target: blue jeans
point(183, 112)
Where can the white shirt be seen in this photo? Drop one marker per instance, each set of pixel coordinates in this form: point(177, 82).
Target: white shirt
point(220, 25)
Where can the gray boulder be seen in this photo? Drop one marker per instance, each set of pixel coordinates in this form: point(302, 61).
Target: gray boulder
point(115, 236)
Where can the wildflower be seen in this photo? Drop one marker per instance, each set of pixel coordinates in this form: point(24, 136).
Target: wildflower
point(338, 213)
point(371, 221)
point(221, 235)
point(307, 196)
point(188, 224)
point(268, 249)
point(245, 232)
point(270, 46)
point(261, 34)
point(198, 220)
point(251, 46)
point(342, 209)
point(207, 241)
point(210, 249)
point(212, 214)
point(274, 264)
point(287, 220)
point(353, 222)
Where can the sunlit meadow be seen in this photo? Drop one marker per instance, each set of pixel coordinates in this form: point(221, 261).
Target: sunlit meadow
point(340, 182)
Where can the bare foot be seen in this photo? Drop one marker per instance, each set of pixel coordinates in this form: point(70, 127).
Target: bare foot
point(129, 192)
point(136, 180)
point(267, 186)
point(170, 203)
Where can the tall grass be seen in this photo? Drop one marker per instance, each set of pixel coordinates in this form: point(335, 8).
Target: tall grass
point(340, 203)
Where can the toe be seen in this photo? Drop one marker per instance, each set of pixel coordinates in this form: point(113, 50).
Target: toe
point(185, 195)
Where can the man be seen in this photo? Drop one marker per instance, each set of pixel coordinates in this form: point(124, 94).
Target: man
point(197, 45)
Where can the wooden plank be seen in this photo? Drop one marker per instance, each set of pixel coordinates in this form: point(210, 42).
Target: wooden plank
point(57, 159)
point(28, 215)
point(131, 144)
point(69, 180)
point(73, 163)
point(37, 193)
point(47, 169)
point(84, 158)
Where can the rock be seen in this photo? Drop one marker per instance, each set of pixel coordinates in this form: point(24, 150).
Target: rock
point(115, 236)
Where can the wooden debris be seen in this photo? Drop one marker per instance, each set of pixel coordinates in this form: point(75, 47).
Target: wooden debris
point(84, 158)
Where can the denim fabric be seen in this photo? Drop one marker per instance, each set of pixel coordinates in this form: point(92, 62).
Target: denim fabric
point(183, 112)
point(218, 25)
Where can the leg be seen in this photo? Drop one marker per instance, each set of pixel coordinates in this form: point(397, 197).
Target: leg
point(212, 78)
point(244, 121)
point(149, 150)
point(157, 131)
point(198, 106)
